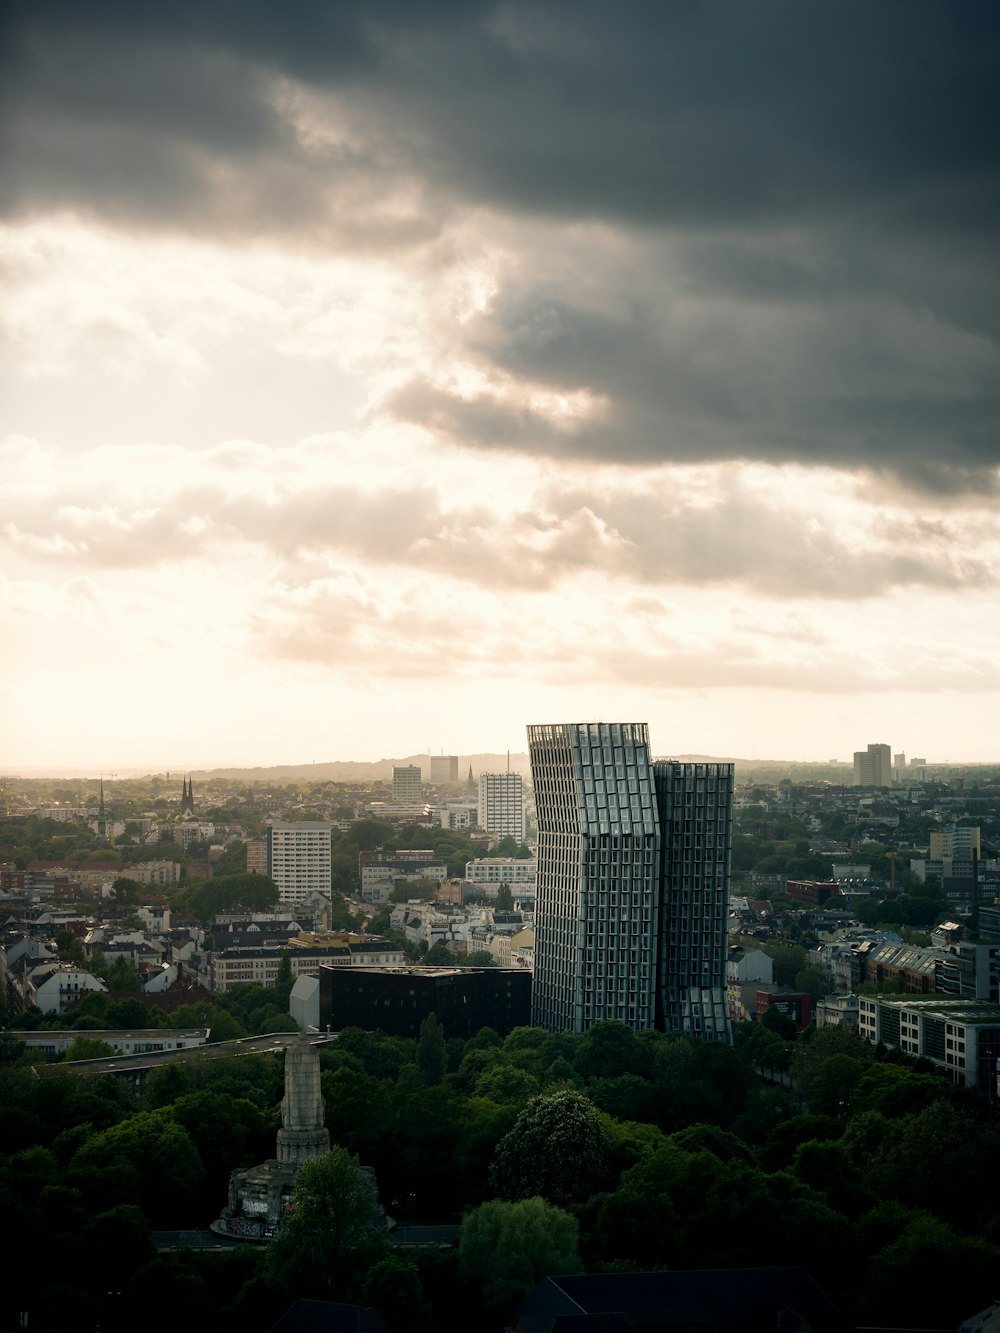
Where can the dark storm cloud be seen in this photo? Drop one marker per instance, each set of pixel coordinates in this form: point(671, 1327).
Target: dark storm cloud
point(639, 110)
point(858, 380)
point(825, 177)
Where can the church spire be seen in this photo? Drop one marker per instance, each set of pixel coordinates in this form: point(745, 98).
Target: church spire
point(187, 796)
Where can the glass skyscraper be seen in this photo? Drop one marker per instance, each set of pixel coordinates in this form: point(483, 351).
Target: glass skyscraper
point(632, 887)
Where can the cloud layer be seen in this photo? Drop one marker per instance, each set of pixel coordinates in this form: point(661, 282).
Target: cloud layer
point(802, 202)
point(471, 361)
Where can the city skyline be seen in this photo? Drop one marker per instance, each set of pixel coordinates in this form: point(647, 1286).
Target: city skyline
point(377, 381)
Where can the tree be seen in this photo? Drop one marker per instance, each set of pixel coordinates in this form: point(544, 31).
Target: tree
point(788, 959)
point(70, 948)
point(504, 899)
point(126, 890)
point(334, 1211)
point(284, 980)
point(204, 1014)
point(480, 958)
point(609, 1049)
point(782, 1024)
point(227, 1132)
point(832, 1085)
point(815, 979)
point(506, 1248)
point(394, 1288)
point(341, 916)
point(88, 1048)
point(233, 861)
point(224, 893)
point(125, 1014)
point(163, 1085)
point(504, 1084)
point(817, 1046)
point(710, 1138)
point(121, 1232)
point(405, 889)
point(431, 1050)
point(896, 1288)
point(159, 1165)
point(557, 1149)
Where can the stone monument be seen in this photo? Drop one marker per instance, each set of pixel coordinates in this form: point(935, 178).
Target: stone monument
point(259, 1194)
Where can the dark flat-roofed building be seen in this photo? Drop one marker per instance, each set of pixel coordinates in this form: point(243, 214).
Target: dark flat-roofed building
point(717, 1300)
point(396, 1000)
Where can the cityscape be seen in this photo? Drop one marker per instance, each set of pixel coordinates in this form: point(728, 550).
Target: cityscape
point(554, 952)
point(499, 554)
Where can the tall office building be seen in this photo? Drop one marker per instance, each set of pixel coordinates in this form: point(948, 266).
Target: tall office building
point(406, 785)
point(632, 887)
point(444, 770)
point(501, 805)
point(298, 858)
point(873, 767)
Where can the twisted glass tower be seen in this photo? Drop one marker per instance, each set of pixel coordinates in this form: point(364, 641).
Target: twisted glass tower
point(633, 870)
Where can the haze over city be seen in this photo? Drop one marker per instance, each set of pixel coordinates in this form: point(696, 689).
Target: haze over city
point(378, 381)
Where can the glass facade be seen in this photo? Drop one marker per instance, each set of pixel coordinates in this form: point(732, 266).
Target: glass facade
point(633, 864)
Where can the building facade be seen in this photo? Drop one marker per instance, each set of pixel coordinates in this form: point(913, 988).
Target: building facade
point(260, 964)
point(501, 805)
point(444, 770)
point(380, 871)
point(397, 1000)
point(962, 1037)
point(298, 858)
point(492, 871)
point(256, 856)
point(873, 767)
point(406, 785)
point(632, 883)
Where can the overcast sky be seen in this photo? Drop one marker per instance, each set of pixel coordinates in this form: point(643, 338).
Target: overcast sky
point(382, 377)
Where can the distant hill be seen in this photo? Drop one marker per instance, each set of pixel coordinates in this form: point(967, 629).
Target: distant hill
point(358, 770)
point(350, 770)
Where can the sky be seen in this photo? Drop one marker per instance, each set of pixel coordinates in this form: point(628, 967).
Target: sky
point(381, 378)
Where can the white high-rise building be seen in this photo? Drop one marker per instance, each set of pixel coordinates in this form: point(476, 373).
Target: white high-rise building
point(406, 785)
point(501, 805)
point(298, 858)
point(632, 887)
point(873, 767)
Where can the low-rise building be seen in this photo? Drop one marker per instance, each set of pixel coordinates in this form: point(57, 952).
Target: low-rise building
point(236, 966)
point(56, 987)
point(970, 971)
point(140, 1042)
point(837, 1011)
point(489, 872)
point(745, 970)
point(397, 1000)
point(380, 871)
point(914, 967)
point(796, 1005)
point(811, 892)
point(522, 949)
point(961, 1037)
point(156, 917)
point(162, 873)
